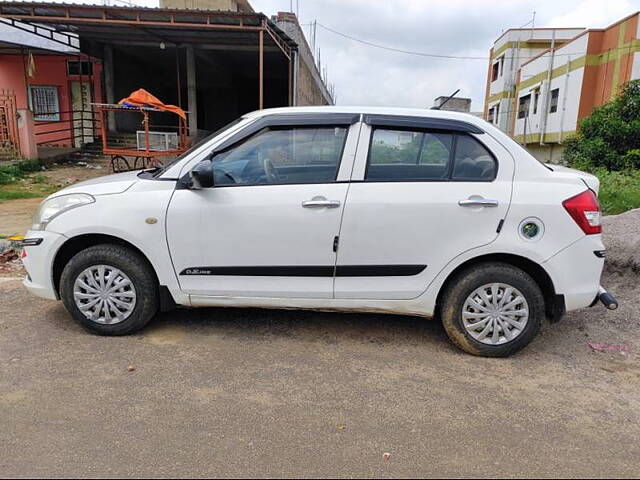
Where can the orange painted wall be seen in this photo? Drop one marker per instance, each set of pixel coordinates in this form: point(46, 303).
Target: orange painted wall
point(597, 85)
point(51, 70)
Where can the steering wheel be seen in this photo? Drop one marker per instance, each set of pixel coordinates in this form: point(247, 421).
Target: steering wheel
point(270, 171)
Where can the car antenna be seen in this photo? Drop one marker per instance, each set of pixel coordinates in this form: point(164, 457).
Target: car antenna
point(439, 107)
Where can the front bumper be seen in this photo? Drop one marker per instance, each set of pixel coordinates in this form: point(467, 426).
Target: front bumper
point(38, 262)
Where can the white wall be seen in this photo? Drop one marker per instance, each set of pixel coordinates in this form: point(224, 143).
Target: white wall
point(635, 68)
point(569, 85)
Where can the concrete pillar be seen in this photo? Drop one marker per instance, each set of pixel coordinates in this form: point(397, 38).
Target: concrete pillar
point(296, 71)
point(26, 134)
point(108, 85)
point(191, 92)
point(261, 71)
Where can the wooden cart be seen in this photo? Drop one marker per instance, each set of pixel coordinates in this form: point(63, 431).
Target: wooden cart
point(148, 155)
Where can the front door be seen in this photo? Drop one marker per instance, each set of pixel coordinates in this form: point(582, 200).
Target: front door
point(419, 198)
point(82, 113)
point(267, 227)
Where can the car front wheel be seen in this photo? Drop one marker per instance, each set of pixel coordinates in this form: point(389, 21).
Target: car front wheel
point(109, 289)
point(492, 310)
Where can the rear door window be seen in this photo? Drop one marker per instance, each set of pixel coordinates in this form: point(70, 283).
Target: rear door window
point(401, 155)
point(473, 162)
point(414, 156)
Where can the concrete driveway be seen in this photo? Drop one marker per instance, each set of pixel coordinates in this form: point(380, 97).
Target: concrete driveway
point(254, 393)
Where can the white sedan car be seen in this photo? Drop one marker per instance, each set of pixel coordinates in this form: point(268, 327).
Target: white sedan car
point(414, 212)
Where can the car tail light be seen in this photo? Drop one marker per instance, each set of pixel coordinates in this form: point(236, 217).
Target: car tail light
point(585, 210)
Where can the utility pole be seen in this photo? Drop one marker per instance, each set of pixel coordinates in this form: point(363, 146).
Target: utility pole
point(313, 37)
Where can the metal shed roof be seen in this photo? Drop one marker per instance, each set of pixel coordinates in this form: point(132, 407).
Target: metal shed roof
point(109, 24)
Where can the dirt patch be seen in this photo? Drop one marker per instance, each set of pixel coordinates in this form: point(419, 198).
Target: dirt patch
point(15, 215)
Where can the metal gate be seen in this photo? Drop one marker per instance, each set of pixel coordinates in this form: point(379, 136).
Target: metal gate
point(9, 140)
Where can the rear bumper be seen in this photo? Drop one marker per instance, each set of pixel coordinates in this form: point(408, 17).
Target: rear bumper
point(576, 271)
point(39, 263)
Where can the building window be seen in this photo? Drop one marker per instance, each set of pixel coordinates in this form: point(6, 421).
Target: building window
point(494, 114)
point(44, 103)
point(79, 68)
point(536, 97)
point(523, 106)
point(495, 71)
point(501, 62)
point(553, 106)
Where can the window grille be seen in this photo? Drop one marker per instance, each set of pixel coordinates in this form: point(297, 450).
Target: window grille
point(44, 103)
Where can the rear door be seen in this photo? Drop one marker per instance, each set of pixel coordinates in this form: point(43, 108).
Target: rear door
point(422, 192)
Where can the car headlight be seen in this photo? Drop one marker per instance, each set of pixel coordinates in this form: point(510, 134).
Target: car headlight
point(52, 207)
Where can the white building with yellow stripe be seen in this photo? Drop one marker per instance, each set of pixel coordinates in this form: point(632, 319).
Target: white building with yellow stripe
point(542, 82)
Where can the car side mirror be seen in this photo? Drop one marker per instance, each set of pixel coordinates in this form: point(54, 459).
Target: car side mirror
point(202, 175)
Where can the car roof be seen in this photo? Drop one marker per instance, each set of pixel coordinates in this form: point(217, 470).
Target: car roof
point(406, 112)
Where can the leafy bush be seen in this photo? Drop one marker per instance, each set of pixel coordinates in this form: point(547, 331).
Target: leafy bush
point(610, 137)
point(15, 171)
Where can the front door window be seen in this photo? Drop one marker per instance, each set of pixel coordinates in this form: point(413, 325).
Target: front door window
point(282, 156)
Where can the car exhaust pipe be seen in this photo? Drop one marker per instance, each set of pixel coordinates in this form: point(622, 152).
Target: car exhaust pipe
point(607, 299)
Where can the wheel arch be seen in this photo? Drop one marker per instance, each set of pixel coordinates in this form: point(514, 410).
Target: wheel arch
point(554, 303)
point(78, 243)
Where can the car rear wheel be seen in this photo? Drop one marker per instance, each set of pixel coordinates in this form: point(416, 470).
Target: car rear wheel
point(492, 310)
point(109, 290)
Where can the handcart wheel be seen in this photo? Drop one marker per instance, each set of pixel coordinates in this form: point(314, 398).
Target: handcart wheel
point(139, 167)
point(119, 164)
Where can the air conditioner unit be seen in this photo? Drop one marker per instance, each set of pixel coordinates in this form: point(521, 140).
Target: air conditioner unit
point(158, 141)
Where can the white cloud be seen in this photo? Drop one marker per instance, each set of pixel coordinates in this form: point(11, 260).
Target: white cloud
point(595, 14)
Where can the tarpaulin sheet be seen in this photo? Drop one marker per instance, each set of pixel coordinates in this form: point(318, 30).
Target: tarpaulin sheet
point(142, 98)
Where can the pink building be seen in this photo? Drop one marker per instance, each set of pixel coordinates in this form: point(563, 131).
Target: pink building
point(46, 93)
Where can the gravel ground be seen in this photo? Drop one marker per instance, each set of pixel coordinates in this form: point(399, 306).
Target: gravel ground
point(622, 238)
point(257, 393)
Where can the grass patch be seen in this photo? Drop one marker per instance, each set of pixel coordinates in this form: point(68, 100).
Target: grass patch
point(619, 191)
point(16, 171)
point(24, 180)
point(16, 194)
point(25, 189)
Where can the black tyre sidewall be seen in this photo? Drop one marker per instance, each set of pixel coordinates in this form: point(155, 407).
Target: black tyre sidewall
point(465, 283)
point(134, 266)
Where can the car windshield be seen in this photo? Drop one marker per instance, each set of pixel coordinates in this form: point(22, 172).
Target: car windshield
point(160, 170)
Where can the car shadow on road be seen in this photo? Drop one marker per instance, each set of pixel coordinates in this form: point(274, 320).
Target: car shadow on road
point(310, 326)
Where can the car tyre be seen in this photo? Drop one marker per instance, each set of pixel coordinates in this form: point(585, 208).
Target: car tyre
point(139, 297)
point(468, 289)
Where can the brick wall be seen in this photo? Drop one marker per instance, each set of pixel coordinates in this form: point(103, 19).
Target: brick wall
point(311, 90)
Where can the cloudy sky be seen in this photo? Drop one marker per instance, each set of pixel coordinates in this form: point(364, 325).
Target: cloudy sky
point(372, 76)
point(365, 75)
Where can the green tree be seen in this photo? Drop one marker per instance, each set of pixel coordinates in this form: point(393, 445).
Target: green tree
point(610, 137)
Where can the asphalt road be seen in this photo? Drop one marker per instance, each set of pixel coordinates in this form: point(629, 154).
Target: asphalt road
point(255, 393)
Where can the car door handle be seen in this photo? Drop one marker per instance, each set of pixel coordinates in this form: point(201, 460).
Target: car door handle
point(478, 202)
point(321, 203)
